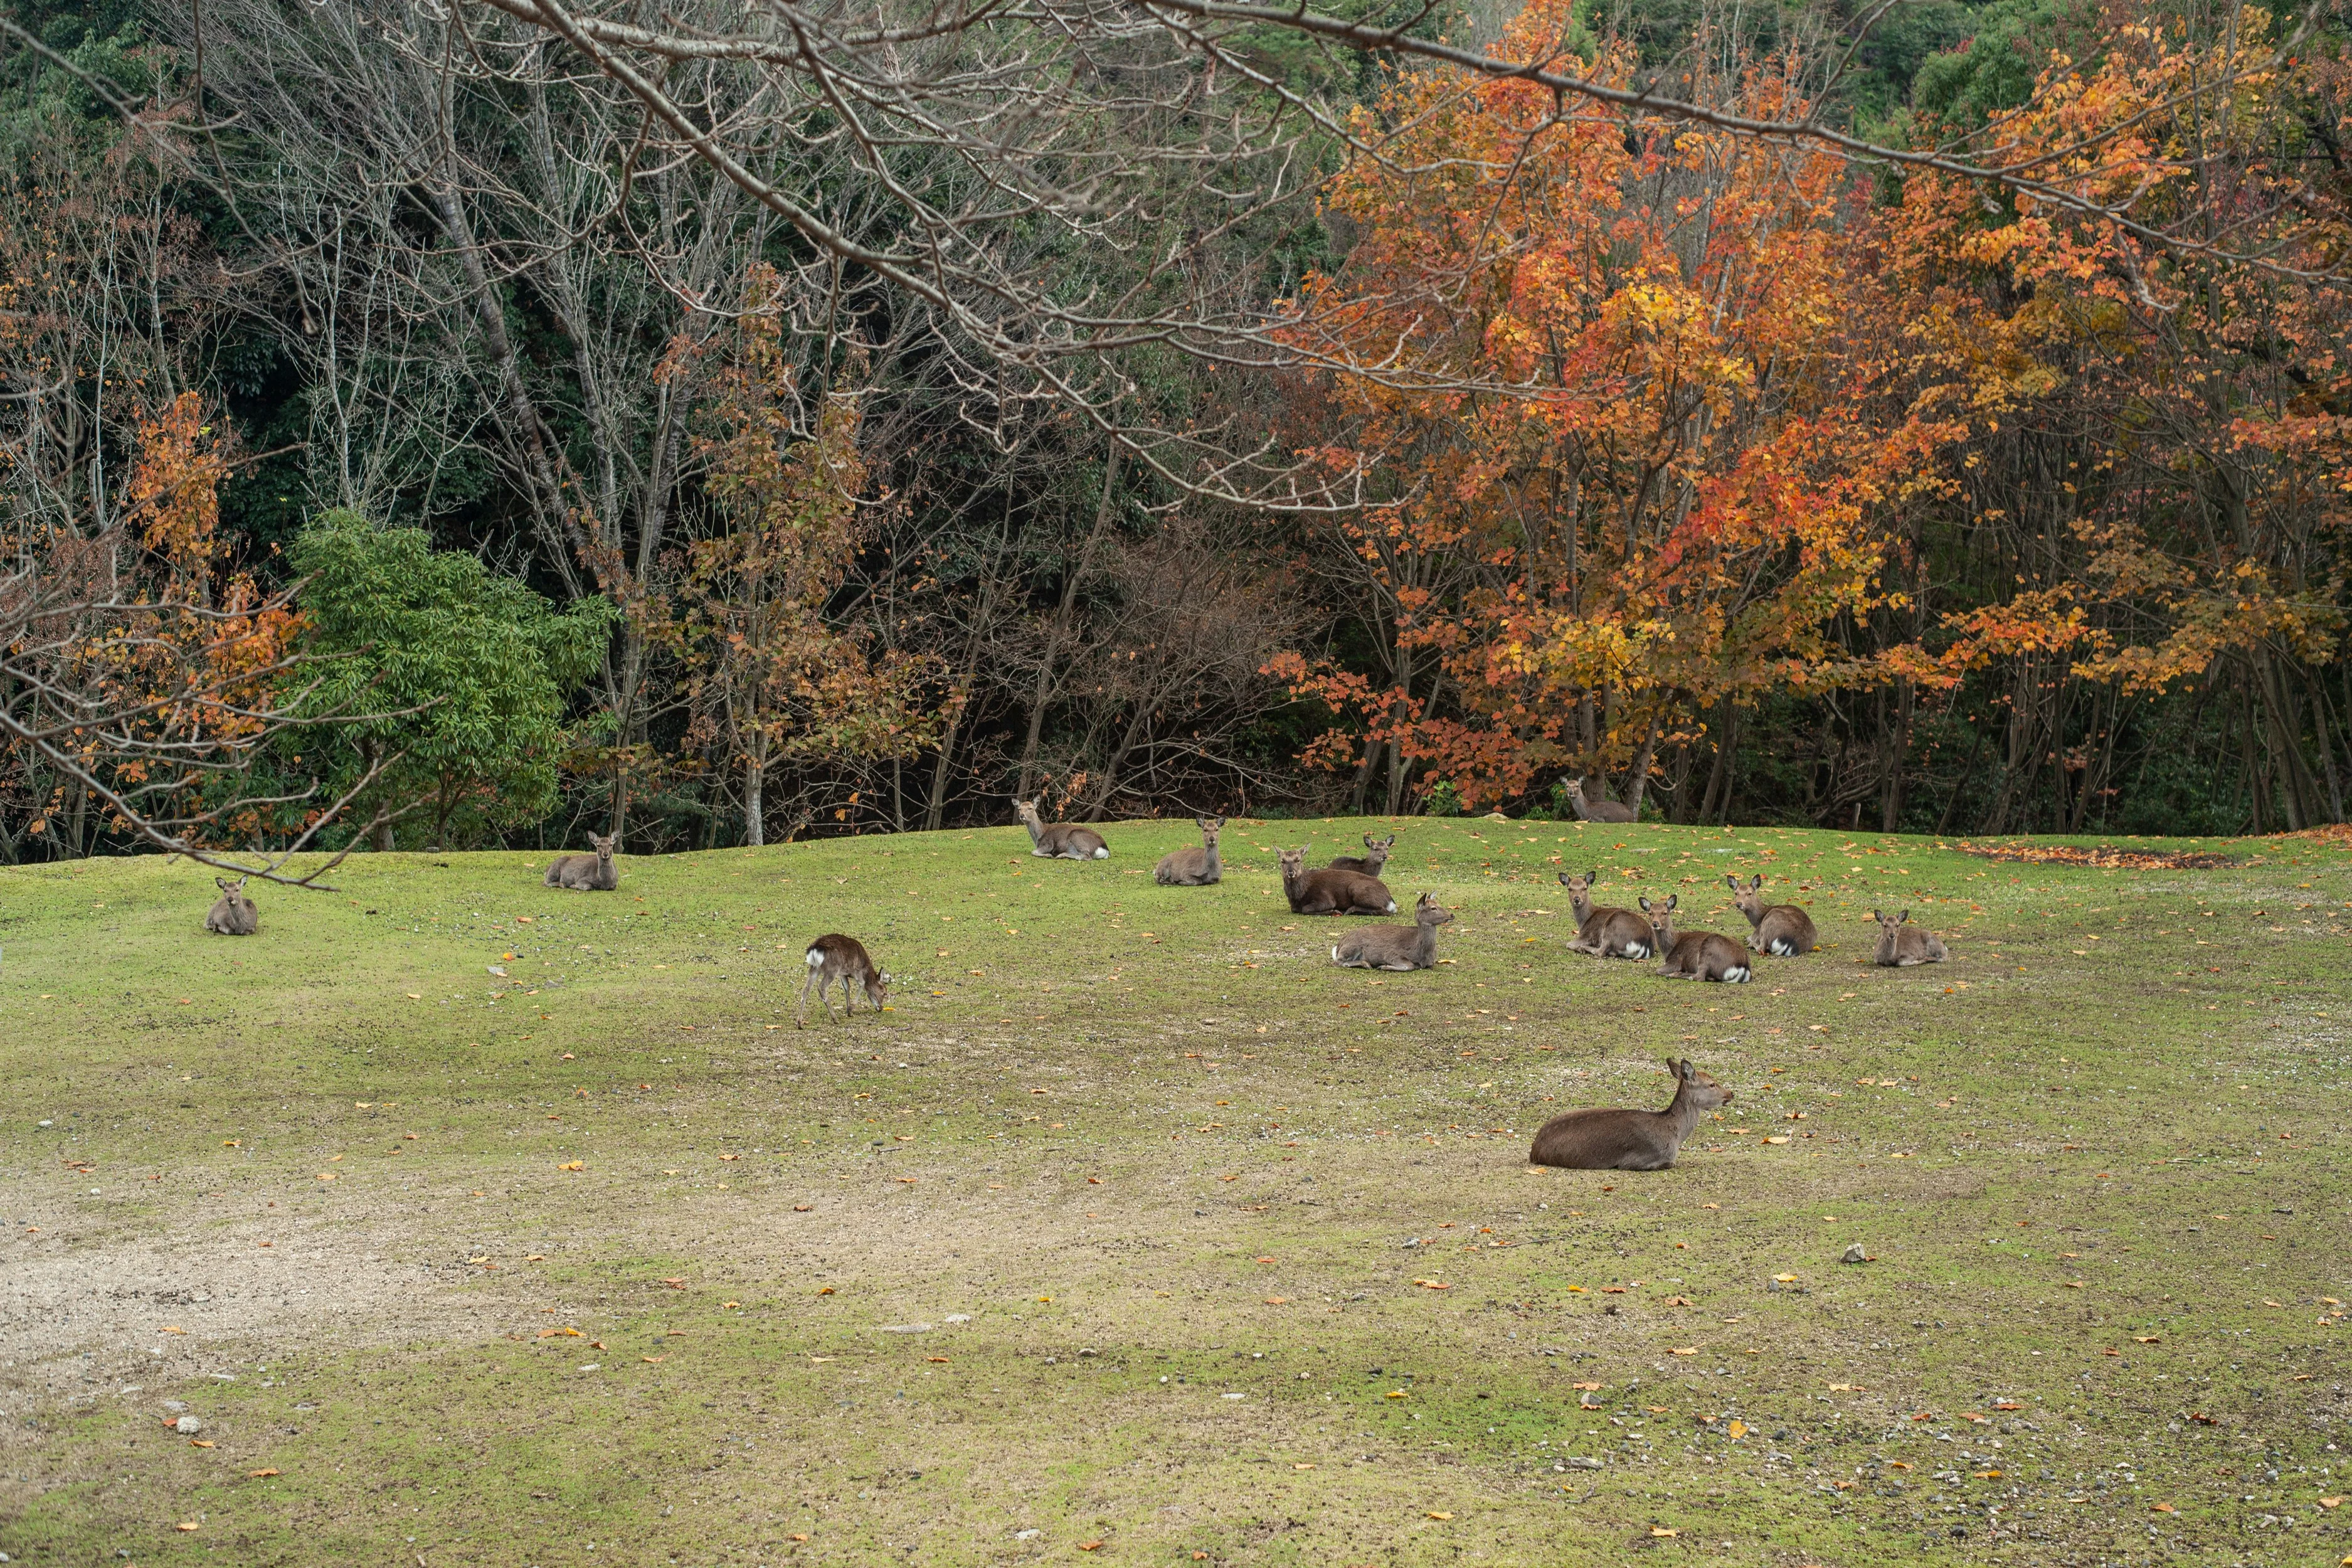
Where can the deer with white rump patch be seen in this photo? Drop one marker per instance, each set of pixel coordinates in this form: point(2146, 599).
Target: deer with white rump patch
point(1783, 931)
point(1329, 892)
point(1694, 954)
point(842, 958)
point(1395, 947)
point(1603, 931)
point(1060, 840)
point(1902, 945)
point(1630, 1140)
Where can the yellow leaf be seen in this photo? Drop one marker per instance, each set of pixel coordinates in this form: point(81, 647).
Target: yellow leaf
point(188, 1526)
point(1433, 1514)
point(1660, 1533)
point(1395, 1394)
point(1775, 1139)
point(1785, 1278)
point(257, 1475)
point(1684, 1350)
point(573, 1165)
point(1588, 1387)
point(200, 1442)
point(1736, 1430)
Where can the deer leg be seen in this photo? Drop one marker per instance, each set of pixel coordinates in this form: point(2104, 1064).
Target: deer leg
point(811, 980)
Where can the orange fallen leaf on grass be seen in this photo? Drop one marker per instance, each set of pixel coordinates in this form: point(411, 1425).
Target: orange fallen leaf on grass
point(1986, 1475)
point(1898, 1464)
point(1736, 1430)
point(936, 1360)
point(1655, 1409)
point(800, 1538)
point(825, 1289)
point(1432, 1284)
point(2007, 1404)
point(2331, 1502)
point(675, 1281)
point(191, 1525)
point(1394, 1394)
point(1659, 1532)
point(2162, 1508)
point(1435, 1513)
point(1090, 1546)
point(803, 1209)
point(169, 1330)
point(1588, 1387)
point(257, 1475)
point(649, 1359)
point(1685, 1350)
point(200, 1442)
point(2146, 1339)
point(1278, 1301)
point(573, 1165)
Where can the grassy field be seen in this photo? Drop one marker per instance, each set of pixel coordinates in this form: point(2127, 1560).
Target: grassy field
point(1137, 1231)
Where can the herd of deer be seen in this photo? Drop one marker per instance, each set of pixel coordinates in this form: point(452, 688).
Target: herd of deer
point(1613, 1139)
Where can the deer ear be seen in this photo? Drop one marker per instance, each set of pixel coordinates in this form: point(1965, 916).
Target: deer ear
point(1906, 917)
point(1756, 880)
point(1879, 918)
point(1734, 881)
point(1690, 1074)
point(1645, 906)
point(1673, 900)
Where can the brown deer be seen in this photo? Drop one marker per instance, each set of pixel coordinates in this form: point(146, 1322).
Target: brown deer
point(1596, 810)
point(233, 913)
point(1630, 1140)
point(1062, 840)
point(1190, 868)
point(1601, 932)
point(842, 958)
point(1368, 864)
point(1783, 931)
point(1329, 892)
point(1395, 947)
point(1694, 954)
point(1902, 945)
point(587, 873)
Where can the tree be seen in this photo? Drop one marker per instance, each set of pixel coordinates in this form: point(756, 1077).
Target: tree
point(471, 670)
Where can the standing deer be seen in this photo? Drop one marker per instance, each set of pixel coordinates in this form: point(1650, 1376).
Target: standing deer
point(1783, 931)
point(233, 913)
point(1063, 840)
point(1694, 954)
point(587, 873)
point(1601, 932)
point(1368, 864)
point(1329, 892)
point(1630, 1140)
point(1596, 810)
point(1902, 945)
point(842, 958)
point(1190, 868)
point(1395, 947)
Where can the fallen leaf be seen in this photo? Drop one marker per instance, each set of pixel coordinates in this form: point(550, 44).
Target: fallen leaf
point(2146, 1339)
point(1659, 1532)
point(1775, 1139)
point(1736, 1430)
point(1090, 1546)
point(803, 1209)
point(1786, 1279)
point(200, 1442)
point(2162, 1508)
point(573, 1165)
point(188, 1526)
point(257, 1475)
point(936, 1360)
point(1684, 1350)
point(825, 1289)
point(1588, 1387)
point(1433, 1514)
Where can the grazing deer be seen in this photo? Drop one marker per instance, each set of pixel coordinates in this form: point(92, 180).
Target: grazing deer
point(1694, 954)
point(1783, 931)
point(587, 873)
point(1596, 810)
point(233, 913)
point(1630, 1140)
point(1902, 945)
point(842, 958)
point(1601, 932)
point(1395, 947)
point(1329, 892)
point(1368, 864)
point(1063, 840)
point(1190, 868)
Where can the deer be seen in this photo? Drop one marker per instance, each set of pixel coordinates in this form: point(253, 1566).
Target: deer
point(1329, 892)
point(843, 958)
point(1398, 948)
point(1190, 868)
point(1062, 840)
point(1597, 810)
point(1783, 931)
point(1694, 954)
point(1630, 1140)
point(1368, 864)
point(1902, 945)
point(1601, 932)
point(233, 913)
point(587, 873)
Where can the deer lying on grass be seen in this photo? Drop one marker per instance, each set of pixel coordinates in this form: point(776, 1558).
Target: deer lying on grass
point(1783, 931)
point(842, 958)
point(1190, 868)
point(1601, 932)
point(1596, 810)
point(1062, 840)
point(1692, 954)
point(1368, 864)
point(233, 913)
point(1902, 945)
point(1329, 892)
point(586, 873)
point(1395, 947)
point(1630, 1140)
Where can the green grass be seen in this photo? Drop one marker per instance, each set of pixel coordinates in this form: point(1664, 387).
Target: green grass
point(1146, 1163)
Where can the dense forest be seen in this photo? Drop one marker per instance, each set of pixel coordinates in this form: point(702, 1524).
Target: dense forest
point(479, 424)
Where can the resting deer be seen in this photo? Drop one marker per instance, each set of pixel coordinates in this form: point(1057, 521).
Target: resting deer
point(842, 958)
point(1368, 864)
point(233, 913)
point(1601, 932)
point(1630, 1140)
point(1596, 810)
point(1783, 931)
point(1395, 947)
point(587, 873)
point(1190, 868)
point(1692, 954)
point(1061, 841)
point(1902, 945)
point(1329, 892)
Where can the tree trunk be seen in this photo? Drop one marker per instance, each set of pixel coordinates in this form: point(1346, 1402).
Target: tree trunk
point(1717, 804)
point(1061, 625)
point(755, 778)
point(1890, 814)
point(1637, 783)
